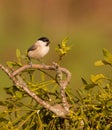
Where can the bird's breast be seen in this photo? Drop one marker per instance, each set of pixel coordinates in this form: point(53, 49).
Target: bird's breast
point(39, 52)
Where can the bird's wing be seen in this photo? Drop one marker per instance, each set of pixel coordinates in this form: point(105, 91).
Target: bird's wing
point(33, 47)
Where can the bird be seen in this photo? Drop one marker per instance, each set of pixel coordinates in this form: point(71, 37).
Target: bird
point(39, 49)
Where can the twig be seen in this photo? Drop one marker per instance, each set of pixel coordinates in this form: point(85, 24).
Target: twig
point(63, 84)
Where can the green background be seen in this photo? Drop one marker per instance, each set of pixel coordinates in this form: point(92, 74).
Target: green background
point(88, 23)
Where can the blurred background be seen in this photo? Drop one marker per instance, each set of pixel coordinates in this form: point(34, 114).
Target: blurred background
point(88, 23)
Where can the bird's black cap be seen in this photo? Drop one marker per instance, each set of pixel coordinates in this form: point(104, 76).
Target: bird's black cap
point(44, 39)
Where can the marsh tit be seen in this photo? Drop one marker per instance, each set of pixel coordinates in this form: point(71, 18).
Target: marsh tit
point(39, 49)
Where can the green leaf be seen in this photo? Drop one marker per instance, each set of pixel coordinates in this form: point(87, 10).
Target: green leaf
point(19, 94)
point(9, 90)
point(2, 103)
point(96, 78)
point(108, 127)
point(63, 48)
point(11, 64)
point(107, 56)
point(3, 120)
point(89, 86)
point(84, 81)
point(18, 55)
point(99, 63)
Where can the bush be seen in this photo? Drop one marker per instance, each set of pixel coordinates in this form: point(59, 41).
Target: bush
point(47, 103)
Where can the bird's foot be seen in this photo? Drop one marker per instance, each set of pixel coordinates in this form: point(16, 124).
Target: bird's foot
point(30, 64)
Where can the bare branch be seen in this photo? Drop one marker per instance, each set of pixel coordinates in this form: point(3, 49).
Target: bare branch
point(58, 109)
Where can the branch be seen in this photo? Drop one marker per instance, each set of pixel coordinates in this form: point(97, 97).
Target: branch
point(58, 109)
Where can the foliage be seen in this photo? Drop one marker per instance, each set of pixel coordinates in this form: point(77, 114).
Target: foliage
point(90, 107)
point(62, 48)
